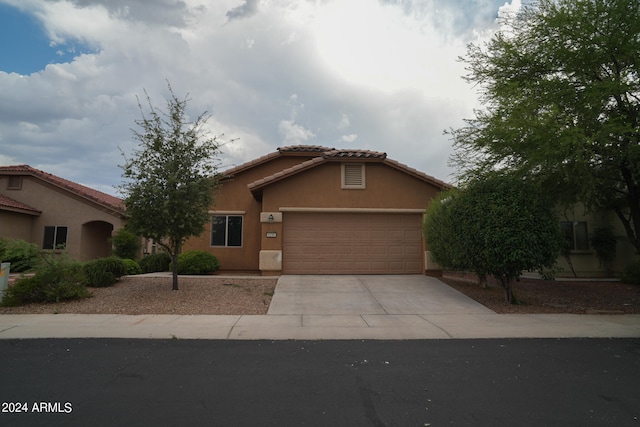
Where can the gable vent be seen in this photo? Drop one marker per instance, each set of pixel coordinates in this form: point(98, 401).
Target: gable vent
point(353, 175)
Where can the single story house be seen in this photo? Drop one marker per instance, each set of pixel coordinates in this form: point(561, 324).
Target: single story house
point(310, 209)
point(55, 213)
point(579, 226)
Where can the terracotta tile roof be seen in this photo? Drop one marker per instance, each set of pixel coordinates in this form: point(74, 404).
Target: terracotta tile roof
point(333, 155)
point(304, 149)
point(355, 154)
point(411, 171)
point(248, 165)
point(96, 196)
point(14, 205)
point(325, 154)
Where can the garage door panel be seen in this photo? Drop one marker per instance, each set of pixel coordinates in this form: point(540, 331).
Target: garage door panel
point(329, 243)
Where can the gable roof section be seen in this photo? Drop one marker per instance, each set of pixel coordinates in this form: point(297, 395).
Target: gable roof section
point(103, 199)
point(291, 150)
point(341, 155)
point(8, 204)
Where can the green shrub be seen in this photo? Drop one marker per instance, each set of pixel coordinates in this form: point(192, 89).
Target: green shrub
point(155, 262)
point(103, 272)
point(132, 267)
point(57, 278)
point(126, 245)
point(197, 262)
point(631, 273)
point(22, 255)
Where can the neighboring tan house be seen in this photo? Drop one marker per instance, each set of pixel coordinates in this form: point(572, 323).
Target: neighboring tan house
point(578, 225)
point(310, 210)
point(53, 212)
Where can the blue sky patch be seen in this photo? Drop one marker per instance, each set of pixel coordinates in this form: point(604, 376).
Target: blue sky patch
point(25, 46)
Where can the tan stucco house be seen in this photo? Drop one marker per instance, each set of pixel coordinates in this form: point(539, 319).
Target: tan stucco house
point(578, 225)
point(311, 209)
point(53, 212)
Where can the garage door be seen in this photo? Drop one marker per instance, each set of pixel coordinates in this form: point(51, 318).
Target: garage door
point(348, 243)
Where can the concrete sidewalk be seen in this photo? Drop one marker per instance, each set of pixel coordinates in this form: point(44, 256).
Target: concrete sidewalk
point(335, 307)
point(312, 327)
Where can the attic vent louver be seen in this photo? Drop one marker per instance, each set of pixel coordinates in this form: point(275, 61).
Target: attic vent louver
point(353, 175)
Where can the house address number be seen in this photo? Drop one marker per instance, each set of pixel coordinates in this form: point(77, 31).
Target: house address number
point(272, 234)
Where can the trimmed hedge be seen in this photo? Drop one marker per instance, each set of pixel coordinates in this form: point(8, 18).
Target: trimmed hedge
point(159, 261)
point(132, 267)
point(104, 272)
point(197, 262)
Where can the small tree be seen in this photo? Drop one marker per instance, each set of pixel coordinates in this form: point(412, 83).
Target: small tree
point(497, 226)
point(171, 178)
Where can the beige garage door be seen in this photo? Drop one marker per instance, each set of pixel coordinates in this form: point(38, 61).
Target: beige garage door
point(352, 243)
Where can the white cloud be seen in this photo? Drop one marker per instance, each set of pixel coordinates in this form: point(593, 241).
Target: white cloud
point(293, 133)
point(349, 138)
point(383, 74)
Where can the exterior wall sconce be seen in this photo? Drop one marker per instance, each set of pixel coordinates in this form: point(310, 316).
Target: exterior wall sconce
point(270, 218)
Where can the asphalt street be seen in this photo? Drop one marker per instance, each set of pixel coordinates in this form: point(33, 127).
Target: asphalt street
point(492, 382)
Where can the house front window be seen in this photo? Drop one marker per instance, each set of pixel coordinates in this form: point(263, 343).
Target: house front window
point(226, 230)
point(55, 237)
point(575, 234)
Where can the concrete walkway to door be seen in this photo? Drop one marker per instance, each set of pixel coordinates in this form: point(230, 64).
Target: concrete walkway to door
point(369, 294)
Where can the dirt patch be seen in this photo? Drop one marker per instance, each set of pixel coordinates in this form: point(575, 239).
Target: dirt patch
point(555, 296)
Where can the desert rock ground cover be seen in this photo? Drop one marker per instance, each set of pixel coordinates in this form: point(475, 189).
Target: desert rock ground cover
point(252, 295)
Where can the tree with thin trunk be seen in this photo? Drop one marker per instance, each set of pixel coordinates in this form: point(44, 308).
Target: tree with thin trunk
point(171, 177)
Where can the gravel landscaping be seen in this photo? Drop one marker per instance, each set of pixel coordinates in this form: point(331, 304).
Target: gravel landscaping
point(153, 295)
point(555, 296)
point(252, 295)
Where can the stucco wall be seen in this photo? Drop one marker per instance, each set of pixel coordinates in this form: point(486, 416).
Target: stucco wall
point(234, 196)
point(386, 188)
point(320, 187)
point(14, 225)
point(61, 208)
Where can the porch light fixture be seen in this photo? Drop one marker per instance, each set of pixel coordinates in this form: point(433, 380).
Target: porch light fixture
point(270, 218)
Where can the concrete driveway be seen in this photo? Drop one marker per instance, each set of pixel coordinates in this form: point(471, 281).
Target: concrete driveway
point(369, 294)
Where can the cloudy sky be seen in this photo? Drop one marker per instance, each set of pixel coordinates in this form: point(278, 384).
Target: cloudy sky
point(372, 74)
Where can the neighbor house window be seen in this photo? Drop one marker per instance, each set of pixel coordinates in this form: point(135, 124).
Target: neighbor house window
point(226, 230)
point(353, 175)
point(15, 183)
point(575, 233)
point(54, 237)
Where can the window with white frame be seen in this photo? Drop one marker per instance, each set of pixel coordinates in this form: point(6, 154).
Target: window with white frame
point(55, 237)
point(226, 230)
point(575, 233)
point(353, 176)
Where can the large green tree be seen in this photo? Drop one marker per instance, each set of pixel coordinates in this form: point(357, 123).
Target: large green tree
point(496, 225)
point(171, 177)
point(560, 88)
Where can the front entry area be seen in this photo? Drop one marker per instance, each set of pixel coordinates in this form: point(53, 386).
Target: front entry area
point(352, 243)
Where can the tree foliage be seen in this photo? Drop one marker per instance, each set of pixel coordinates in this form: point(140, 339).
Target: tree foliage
point(171, 178)
point(495, 226)
point(561, 93)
